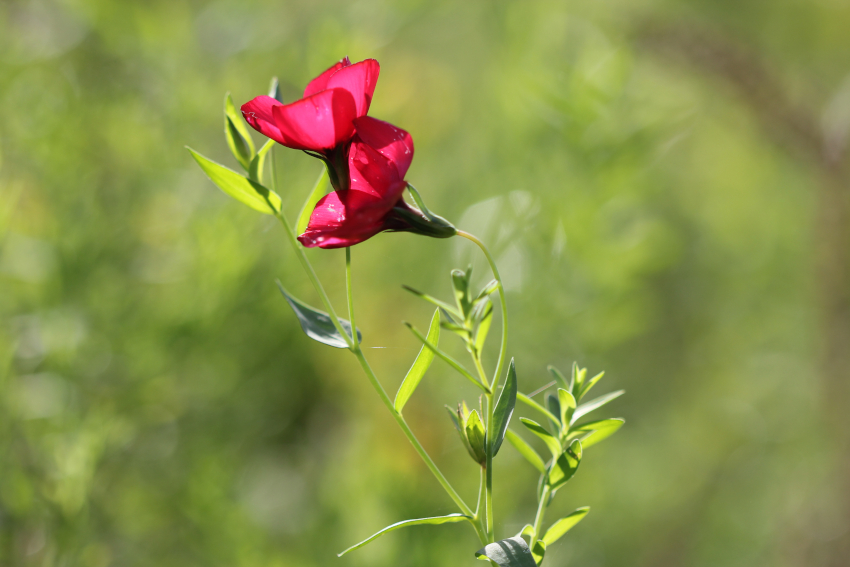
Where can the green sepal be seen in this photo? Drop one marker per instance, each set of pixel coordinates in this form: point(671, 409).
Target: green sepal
point(504, 409)
point(511, 552)
point(239, 187)
point(420, 365)
point(476, 436)
point(451, 518)
point(564, 525)
point(423, 221)
point(566, 466)
point(317, 324)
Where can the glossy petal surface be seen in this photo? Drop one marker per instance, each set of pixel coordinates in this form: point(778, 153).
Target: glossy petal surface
point(318, 122)
point(392, 142)
point(320, 83)
point(360, 80)
point(259, 114)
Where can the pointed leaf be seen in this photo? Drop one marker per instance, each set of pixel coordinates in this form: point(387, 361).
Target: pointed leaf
point(559, 378)
point(255, 171)
point(238, 137)
point(526, 450)
point(451, 361)
point(483, 324)
point(589, 384)
point(239, 187)
point(566, 466)
point(317, 324)
point(554, 406)
point(488, 289)
point(567, 406)
point(451, 518)
point(593, 432)
point(595, 403)
point(420, 365)
point(526, 531)
point(553, 444)
point(274, 90)
point(531, 403)
point(318, 191)
point(511, 552)
point(577, 381)
point(460, 284)
point(564, 525)
point(504, 409)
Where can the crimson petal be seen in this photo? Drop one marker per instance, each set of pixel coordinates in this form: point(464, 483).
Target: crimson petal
point(320, 83)
point(393, 143)
point(360, 80)
point(259, 113)
point(318, 122)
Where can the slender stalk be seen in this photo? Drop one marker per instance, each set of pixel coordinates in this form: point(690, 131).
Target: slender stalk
point(496, 376)
point(538, 519)
point(504, 304)
point(355, 348)
point(350, 294)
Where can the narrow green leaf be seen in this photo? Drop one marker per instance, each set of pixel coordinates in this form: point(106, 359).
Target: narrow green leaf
point(239, 187)
point(255, 171)
point(477, 436)
point(451, 518)
point(238, 138)
point(589, 384)
point(420, 365)
point(577, 381)
point(318, 191)
point(526, 450)
point(483, 326)
point(488, 289)
point(504, 409)
point(566, 466)
point(593, 432)
point(442, 304)
point(531, 403)
point(451, 361)
point(559, 378)
point(564, 525)
point(554, 406)
point(551, 442)
point(511, 552)
point(567, 406)
point(453, 415)
point(526, 531)
point(595, 403)
point(317, 324)
point(274, 90)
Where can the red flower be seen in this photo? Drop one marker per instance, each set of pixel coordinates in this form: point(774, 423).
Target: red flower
point(324, 118)
point(378, 160)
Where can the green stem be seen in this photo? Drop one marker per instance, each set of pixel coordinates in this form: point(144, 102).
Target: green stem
point(538, 519)
point(350, 294)
point(355, 348)
point(488, 492)
point(504, 304)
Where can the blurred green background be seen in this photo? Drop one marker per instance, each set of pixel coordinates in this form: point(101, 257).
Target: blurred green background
point(664, 183)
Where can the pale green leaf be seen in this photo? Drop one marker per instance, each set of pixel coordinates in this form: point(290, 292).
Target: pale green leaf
point(504, 409)
point(239, 187)
point(317, 324)
point(595, 403)
point(531, 403)
point(564, 525)
point(567, 405)
point(551, 442)
point(255, 171)
point(451, 518)
point(593, 432)
point(318, 191)
point(566, 466)
point(420, 365)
